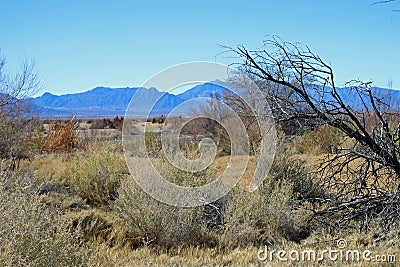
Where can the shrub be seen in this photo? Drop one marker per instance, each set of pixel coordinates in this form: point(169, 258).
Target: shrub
point(118, 123)
point(259, 218)
point(324, 139)
point(156, 223)
point(62, 137)
point(305, 185)
point(153, 143)
point(106, 123)
point(239, 219)
point(162, 225)
point(95, 175)
point(13, 142)
point(277, 210)
point(30, 234)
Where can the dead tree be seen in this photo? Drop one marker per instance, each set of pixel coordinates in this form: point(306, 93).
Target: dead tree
point(363, 177)
point(14, 88)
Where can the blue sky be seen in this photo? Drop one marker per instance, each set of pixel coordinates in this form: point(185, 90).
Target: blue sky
point(78, 45)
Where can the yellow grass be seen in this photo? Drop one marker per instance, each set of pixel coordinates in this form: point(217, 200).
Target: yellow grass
point(111, 241)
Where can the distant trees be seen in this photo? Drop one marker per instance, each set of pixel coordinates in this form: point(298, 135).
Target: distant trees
point(107, 123)
point(363, 173)
point(158, 119)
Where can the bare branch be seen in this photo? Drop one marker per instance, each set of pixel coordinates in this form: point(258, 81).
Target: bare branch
point(300, 88)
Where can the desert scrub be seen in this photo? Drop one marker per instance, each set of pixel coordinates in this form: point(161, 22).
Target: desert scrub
point(277, 210)
point(33, 235)
point(261, 217)
point(153, 143)
point(324, 139)
point(15, 141)
point(95, 174)
point(240, 219)
point(159, 224)
point(156, 223)
point(305, 184)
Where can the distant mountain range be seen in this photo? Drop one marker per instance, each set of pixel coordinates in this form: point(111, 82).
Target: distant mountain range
point(104, 101)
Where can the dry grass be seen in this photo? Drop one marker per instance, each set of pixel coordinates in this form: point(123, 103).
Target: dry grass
point(192, 256)
point(100, 227)
point(244, 256)
point(46, 167)
point(89, 197)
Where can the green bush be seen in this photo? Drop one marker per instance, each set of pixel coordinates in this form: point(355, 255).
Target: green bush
point(95, 174)
point(305, 184)
point(324, 139)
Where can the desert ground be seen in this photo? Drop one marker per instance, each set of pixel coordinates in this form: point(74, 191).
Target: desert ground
point(73, 202)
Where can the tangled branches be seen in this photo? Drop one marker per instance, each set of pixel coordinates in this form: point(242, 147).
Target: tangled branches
point(363, 173)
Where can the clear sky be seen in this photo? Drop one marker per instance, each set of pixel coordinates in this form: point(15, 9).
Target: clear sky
point(78, 45)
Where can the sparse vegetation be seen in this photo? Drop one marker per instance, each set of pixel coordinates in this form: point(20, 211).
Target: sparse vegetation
point(104, 219)
point(67, 197)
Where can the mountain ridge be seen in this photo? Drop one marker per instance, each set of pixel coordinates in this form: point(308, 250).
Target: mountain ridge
point(106, 101)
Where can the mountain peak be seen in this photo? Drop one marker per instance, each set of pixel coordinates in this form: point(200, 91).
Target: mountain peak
point(47, 94)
